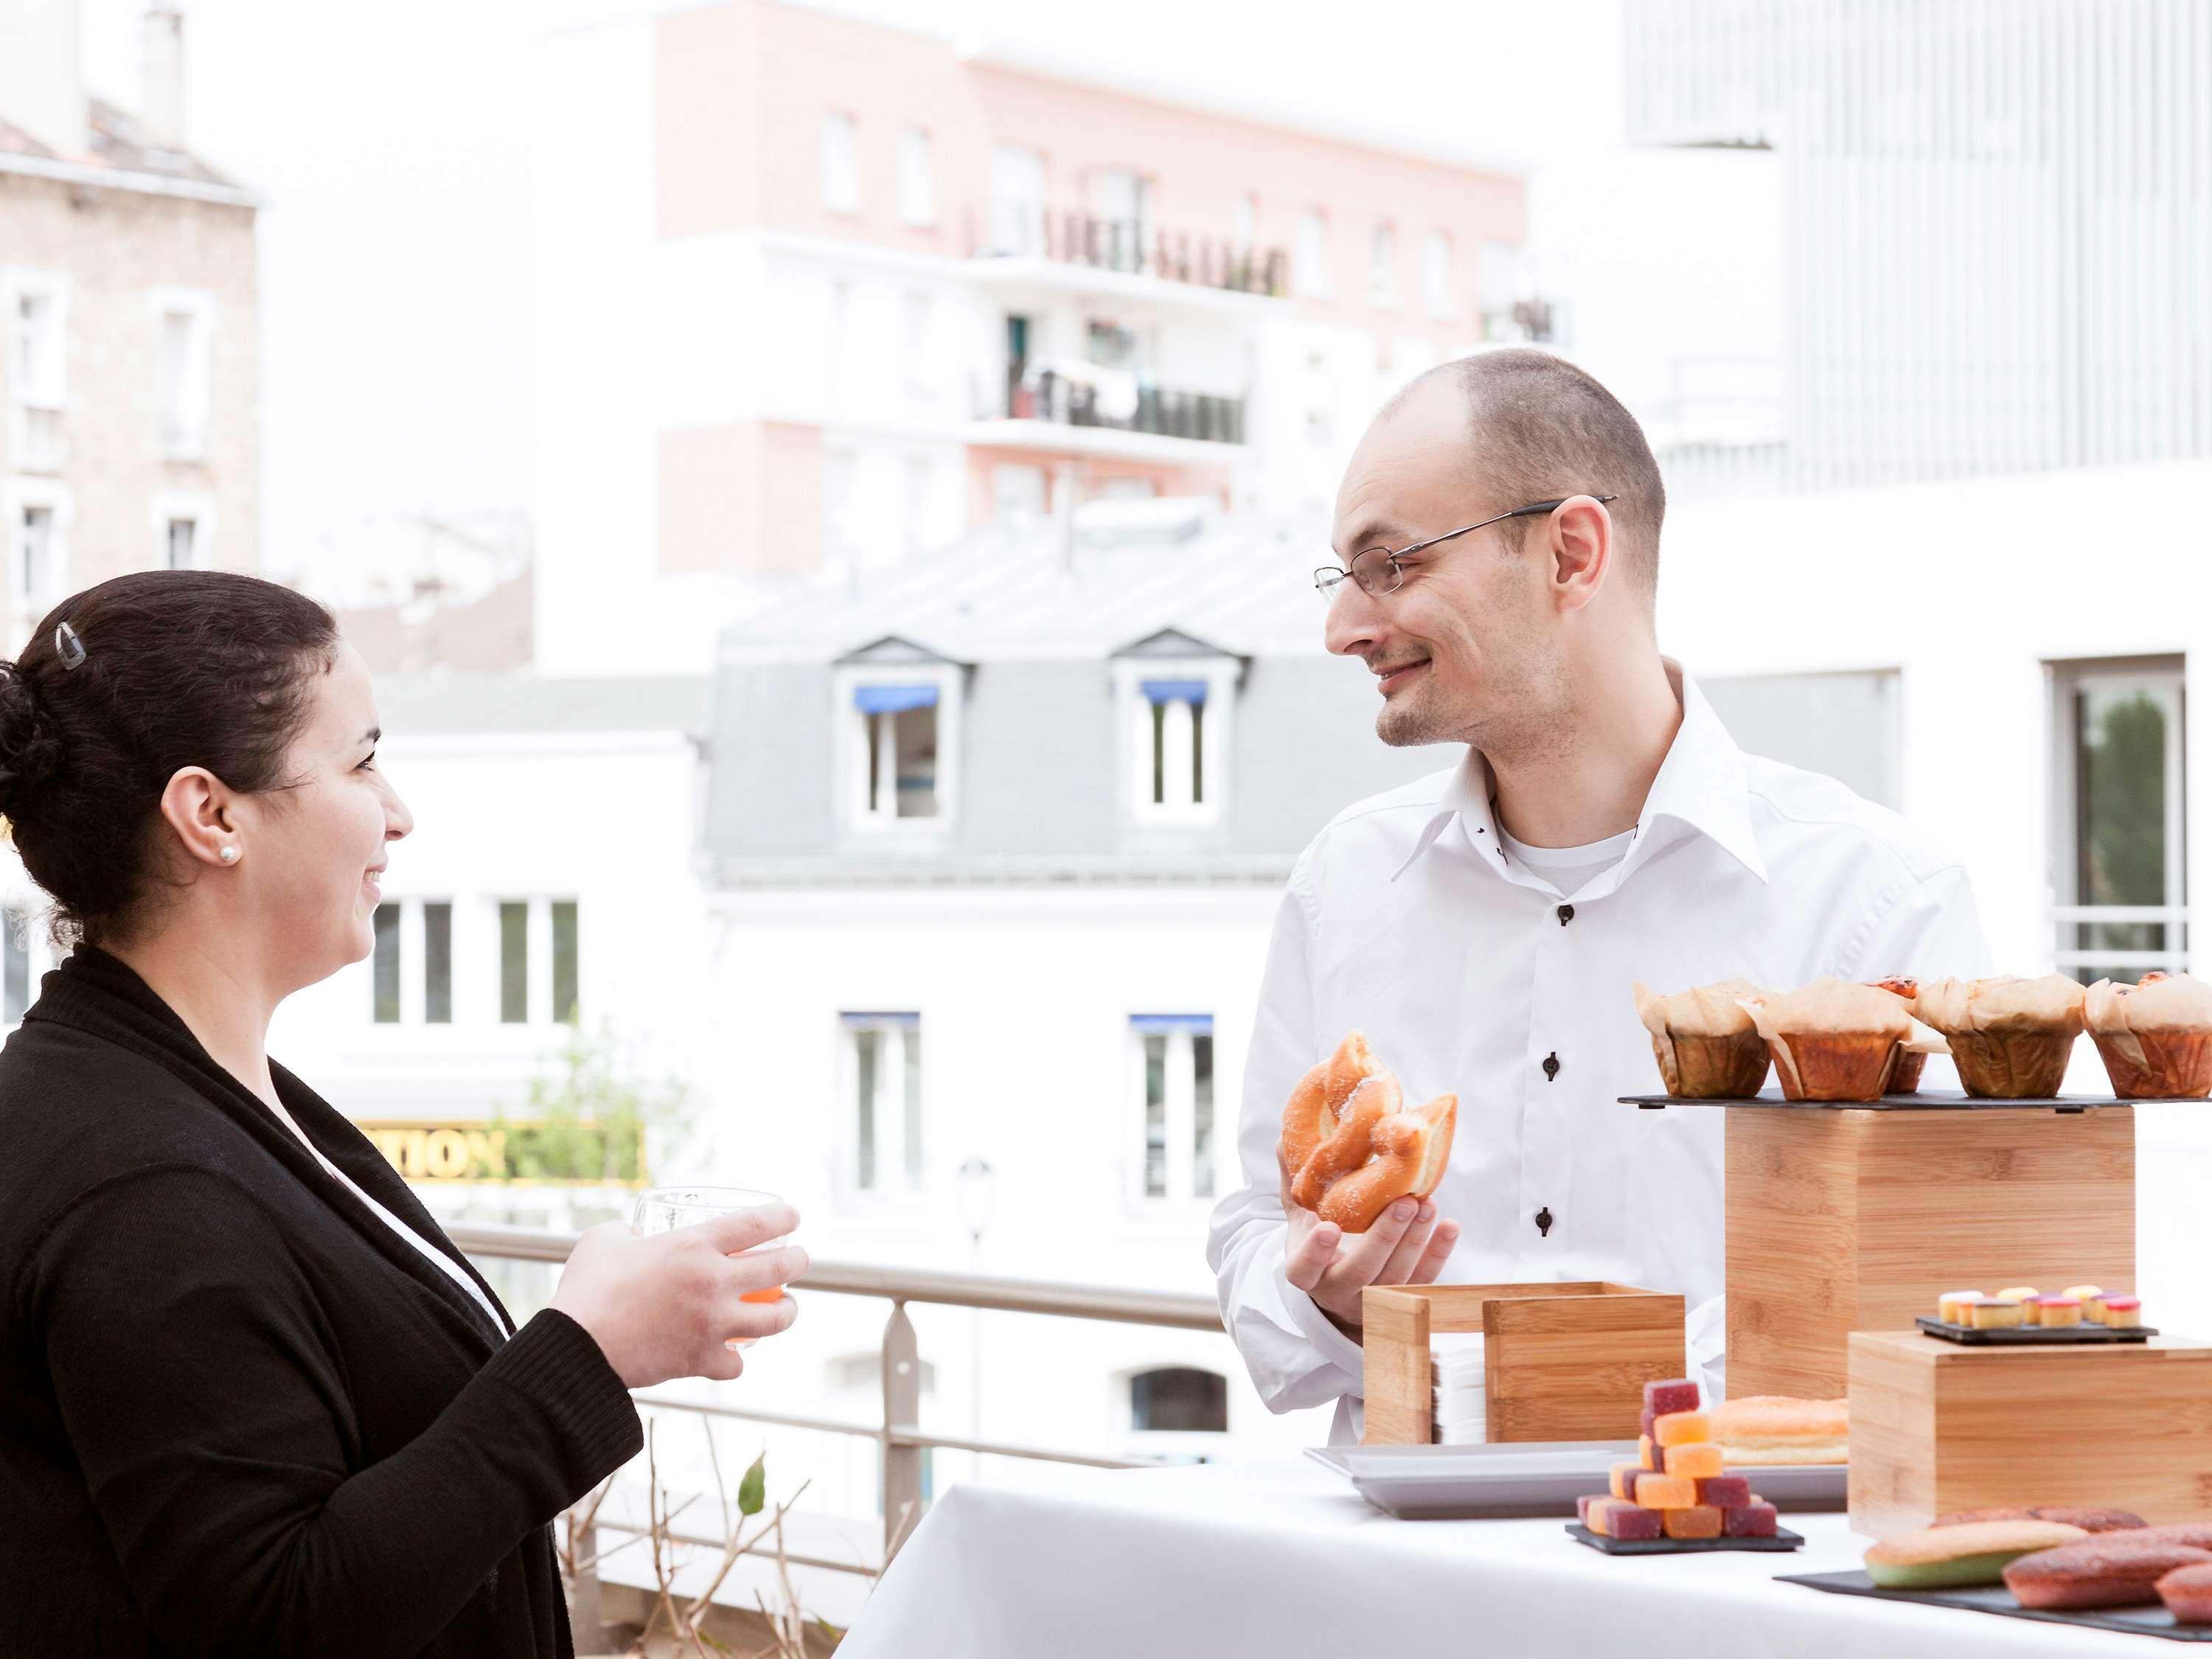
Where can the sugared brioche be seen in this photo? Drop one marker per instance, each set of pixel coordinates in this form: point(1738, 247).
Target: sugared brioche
point(2116, 1569)
point(1947, 1557)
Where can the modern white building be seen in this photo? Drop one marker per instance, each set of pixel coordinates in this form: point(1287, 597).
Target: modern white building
point(816, 295)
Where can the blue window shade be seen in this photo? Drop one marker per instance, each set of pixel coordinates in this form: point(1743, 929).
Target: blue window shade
point(1161, 1024)
point(910, 1021)
point(893, 699)
point(1189, 691)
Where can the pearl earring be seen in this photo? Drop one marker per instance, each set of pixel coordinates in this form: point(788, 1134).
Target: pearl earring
point(228, 855)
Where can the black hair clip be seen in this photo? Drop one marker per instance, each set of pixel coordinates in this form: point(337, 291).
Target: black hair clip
point(71, 647)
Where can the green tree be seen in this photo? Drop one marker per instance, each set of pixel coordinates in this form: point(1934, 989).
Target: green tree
point(594, 1116)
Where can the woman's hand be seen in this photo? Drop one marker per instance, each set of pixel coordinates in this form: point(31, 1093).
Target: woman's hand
point(666, 1304)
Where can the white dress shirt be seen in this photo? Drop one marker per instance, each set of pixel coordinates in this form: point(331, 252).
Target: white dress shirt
point(1407, 919)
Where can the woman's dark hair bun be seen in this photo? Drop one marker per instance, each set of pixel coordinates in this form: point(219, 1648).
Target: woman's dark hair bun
point(30, 744)
point(120, 688)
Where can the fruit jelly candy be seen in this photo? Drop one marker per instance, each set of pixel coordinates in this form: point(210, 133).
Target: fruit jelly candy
point(1582, 1510)
point(1627, 1522)
point(1699, 1521)
point(1623, 1478)
point(1590, 1510)
point(1666, 1492)
point(1650, 1456)
point(1699, 1460)
point(1725, 1492)
point(1663, 1398)
point(1747, 1521)
point(1680, 1428)
point(1644, 1423)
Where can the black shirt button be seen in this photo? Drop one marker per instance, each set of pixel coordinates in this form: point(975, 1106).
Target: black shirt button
point(1544, 1222)
point(1551, 1067)
point(1566, 914)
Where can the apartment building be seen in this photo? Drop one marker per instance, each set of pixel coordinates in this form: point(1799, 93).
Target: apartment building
point(129, 330)
point(817, 295)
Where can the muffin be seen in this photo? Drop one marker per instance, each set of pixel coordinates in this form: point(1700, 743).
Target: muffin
point(1706, 1045)
point(1912, 1054)
point(2010, 1037)
point(2155, 1036)
point(1833, 1039)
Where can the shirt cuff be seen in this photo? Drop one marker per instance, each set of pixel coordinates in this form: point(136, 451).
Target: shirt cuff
point(555, 1366)
point(1332, 1344)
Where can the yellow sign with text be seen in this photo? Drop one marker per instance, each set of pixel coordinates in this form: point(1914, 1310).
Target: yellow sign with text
point(499, 1153)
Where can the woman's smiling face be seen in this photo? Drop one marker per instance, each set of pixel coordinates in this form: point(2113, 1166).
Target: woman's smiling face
point(314, 849)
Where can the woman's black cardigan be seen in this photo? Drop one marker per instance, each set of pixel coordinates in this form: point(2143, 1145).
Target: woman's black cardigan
point(239, 1415)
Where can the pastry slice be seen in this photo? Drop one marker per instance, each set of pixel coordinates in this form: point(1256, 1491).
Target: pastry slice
point(1311, 1115)
point(2011, 1037)
point(1707, 1046)
point(1411, 1151)
point(2154, 1036)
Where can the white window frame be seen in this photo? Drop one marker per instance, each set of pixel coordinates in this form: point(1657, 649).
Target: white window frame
point(16, 495)
point(917, 177)
point(841, 173)
point(1181, 1120)
point(1218, 715)
point(1436, 276)
point(1171, 1444)
point(2165, 678)
point(857, 812)
point(184, 424)
point(18, 283)
point(1382, 265)
point(198, 506)
point(908, 1181)
point(1309, 275)
point(415, 961)
point(538, 1011)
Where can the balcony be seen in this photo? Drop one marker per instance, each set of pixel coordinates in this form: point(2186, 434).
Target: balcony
point(1042, 251)
point(1080, 409)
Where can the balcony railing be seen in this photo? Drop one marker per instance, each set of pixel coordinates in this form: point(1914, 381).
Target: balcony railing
point(1051, 395)
point(899, 1436)
point(1132, 246)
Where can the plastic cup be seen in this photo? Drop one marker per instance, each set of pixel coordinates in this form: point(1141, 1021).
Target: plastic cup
point(663, 1209)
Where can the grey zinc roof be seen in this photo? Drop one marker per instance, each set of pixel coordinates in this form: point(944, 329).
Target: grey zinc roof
point(421, 705)
point(1240, 587)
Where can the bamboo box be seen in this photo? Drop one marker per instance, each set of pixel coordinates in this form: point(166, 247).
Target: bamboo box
point(1938, 1427)
point(1564, 1361)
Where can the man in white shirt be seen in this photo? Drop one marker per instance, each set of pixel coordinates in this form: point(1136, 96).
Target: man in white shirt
point(1500, 526)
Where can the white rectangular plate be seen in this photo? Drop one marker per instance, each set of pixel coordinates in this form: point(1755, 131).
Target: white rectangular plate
point(1535, 1477)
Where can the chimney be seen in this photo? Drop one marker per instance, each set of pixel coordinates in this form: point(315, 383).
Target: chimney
point(162, 67)
point(41, 75)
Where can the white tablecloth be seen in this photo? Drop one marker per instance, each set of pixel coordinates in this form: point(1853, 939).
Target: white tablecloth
point(1285, 1559)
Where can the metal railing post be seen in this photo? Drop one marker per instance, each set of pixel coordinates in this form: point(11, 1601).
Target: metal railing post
point(902, 1464)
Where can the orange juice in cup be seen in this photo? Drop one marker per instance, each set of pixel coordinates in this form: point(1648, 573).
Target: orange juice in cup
point(663, 1209)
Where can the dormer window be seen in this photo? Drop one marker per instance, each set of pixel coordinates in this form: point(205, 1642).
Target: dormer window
point(899, 711)
point(1176, 694)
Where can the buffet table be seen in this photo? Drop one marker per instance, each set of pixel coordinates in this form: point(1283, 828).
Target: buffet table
point(1286, 1559)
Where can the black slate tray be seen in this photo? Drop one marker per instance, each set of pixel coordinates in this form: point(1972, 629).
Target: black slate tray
point(2151, 1620)
point(1784, 1539)
point(1930, 1100)
point(2033, 1336)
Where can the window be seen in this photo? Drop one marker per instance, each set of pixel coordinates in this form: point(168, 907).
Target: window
point(514, 963)
point(1310, 259)
point(1017, 200)
point(1122, 202)
point(411, 967)
point(2121, 895)
point(37, 572)
point(539, 972)
point(900, 725)
point(1176, 707)
point(1175, 1066)
point(1171, 746)
point(186, 340)
point(180, 543)
point(841, 163)
point(37, 361)
point(1437, 273)
point(1382, 265)
point(883, 1093)
point(917, 184)
point(1179, 1399)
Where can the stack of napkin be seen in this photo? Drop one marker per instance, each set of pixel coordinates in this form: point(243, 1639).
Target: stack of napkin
point(1455, 1389)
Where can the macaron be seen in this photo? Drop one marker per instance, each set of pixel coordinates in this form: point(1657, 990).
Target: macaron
point(1943, 1558)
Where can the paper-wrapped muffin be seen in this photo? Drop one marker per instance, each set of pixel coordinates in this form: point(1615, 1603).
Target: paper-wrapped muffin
point(1703, 1038)
point(1833, 1039)
point(2155, 1037)
point(2010, 1037)
point(1912, 1054)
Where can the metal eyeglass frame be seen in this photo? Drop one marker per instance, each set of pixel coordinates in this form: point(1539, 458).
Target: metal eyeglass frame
point(1329, 577)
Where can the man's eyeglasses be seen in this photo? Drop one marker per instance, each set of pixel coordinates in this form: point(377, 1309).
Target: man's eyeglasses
point(1377, 571)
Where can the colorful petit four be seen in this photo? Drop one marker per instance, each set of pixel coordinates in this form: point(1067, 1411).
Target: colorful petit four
point(1996, 1313)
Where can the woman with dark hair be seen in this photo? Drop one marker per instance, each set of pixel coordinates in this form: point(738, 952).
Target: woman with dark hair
point(253, 1401)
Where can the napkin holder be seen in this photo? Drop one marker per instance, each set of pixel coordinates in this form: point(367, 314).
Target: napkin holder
point(1564, 1361)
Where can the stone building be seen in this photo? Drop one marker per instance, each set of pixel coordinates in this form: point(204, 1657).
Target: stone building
point(128, 329)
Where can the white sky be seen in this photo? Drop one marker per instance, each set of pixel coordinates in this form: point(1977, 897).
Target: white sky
point(392, 142)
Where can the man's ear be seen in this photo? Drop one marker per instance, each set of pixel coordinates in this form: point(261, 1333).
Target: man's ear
point(198, 807)
point(1580, 548)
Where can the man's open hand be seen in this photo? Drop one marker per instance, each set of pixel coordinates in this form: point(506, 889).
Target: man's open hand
point(1406, 1245)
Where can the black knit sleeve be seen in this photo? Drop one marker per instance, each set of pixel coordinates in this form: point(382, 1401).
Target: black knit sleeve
point(201, 1397)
